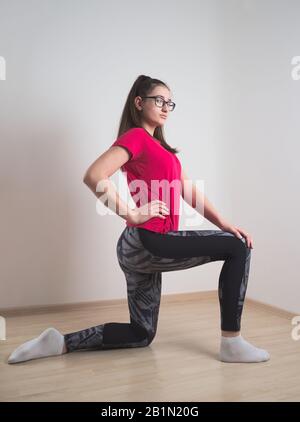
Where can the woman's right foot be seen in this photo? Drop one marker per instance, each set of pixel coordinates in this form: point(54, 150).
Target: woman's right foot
point(237, 349)
point(49, 343)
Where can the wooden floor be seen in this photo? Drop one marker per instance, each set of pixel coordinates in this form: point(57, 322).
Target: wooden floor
point(181, 364)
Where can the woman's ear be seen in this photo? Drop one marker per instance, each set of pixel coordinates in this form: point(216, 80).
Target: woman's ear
point(137, 102)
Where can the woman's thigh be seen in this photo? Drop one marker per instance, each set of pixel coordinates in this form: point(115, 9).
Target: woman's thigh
point(143, 251)
point(190, 243)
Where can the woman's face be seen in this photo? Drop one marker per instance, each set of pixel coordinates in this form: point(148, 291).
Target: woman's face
point(149, 111)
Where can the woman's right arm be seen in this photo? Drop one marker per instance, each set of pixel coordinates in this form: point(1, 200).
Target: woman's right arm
point(97, 179)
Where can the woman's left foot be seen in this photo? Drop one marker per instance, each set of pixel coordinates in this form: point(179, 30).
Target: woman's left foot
point(237, 349)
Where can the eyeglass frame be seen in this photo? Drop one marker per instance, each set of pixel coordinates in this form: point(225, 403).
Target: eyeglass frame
point(164, 102)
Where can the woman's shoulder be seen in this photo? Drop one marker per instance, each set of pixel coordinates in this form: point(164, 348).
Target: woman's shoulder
point(135, 130)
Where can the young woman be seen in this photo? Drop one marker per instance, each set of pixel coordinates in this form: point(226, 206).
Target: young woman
point(151, 242)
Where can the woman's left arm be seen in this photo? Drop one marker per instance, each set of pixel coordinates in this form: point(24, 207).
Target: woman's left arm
point(197, 200)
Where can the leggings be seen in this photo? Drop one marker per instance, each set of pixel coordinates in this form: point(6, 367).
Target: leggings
point(143, 255)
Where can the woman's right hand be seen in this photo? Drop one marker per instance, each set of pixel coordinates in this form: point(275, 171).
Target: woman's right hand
point(152, 209)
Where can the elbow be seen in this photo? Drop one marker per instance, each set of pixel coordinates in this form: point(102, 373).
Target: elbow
point(89, 178)
point(92, 179)
point(86, 179)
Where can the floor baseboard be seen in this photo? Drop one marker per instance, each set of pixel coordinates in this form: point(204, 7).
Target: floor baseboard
point(166, 298)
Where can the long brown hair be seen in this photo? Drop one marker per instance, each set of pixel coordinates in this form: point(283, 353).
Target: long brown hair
point(130, 117)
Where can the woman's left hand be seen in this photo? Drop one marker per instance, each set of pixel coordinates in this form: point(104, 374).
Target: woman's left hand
point(240, 233)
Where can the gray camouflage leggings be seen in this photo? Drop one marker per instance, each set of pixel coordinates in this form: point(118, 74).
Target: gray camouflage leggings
point(143, 256)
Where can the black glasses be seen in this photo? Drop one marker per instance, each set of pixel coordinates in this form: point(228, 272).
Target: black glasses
point(160, 102)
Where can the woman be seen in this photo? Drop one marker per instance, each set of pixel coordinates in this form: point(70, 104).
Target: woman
point(151, 242)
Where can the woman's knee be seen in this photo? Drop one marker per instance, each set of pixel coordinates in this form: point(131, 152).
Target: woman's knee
point(245, 246)
point(144, 335)
point(239, 246)
point(150, 338)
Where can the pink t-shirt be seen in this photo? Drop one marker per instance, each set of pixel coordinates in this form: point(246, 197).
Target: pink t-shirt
point(152, 173)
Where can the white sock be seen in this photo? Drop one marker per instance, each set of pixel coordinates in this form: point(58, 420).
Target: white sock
point(237, 349)
point(50, 342)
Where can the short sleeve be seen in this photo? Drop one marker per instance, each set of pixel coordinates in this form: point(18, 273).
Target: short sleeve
point(132, 140)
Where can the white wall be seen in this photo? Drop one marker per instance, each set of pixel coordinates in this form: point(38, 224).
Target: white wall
point(69, 67)
point(258, 129)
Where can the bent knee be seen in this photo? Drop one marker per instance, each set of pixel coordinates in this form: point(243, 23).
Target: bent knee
point(145, 335)
point(149, 339)
point(240, 246)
